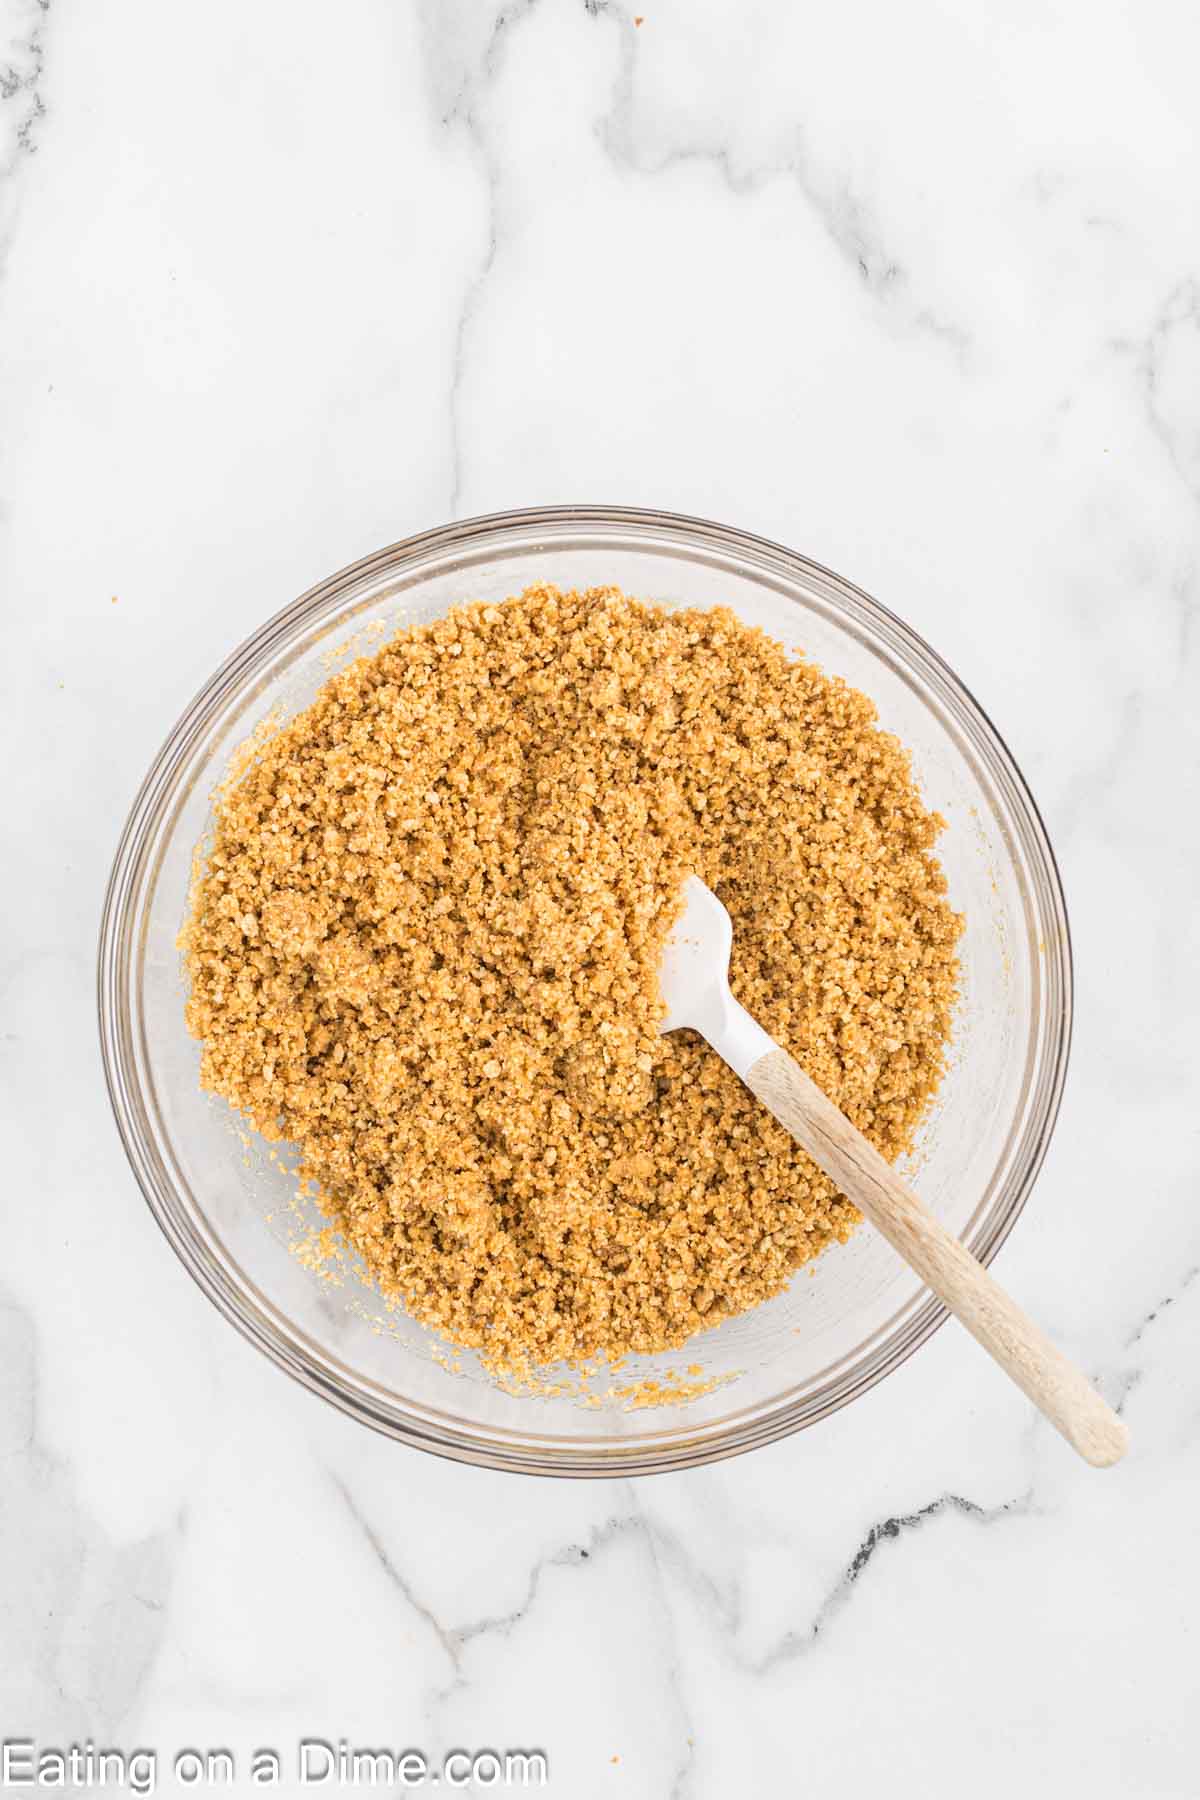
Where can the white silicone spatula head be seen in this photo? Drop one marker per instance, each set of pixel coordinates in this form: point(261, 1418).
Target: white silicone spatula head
point(694, 977)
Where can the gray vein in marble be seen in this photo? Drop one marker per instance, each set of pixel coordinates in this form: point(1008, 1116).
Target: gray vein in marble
point(81, 1617)
point(855, 232)
point(574, 1555)
point(681, 1783)
point(1127, 1381)
point(614, 1531)
point(727, 1608)
point(463, 109)
point(846, 217)
point(569, 1556)
point(1118, 1390)
point(1185, 593)
point(1178, 436)
point(798, 1643)
point(403, 1586)
point(466, 318)
point(22, 108)
point(1160, 1308)
point(20, 79)
point(117, 1652)
point(665, 1551)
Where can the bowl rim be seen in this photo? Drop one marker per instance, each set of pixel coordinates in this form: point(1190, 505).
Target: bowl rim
point(261, 1324)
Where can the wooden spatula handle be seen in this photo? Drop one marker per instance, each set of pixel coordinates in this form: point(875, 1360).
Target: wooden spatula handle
point(1021, 1348)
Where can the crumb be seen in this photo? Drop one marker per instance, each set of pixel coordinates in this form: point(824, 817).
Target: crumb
point(637, 1395)
point(424, 945)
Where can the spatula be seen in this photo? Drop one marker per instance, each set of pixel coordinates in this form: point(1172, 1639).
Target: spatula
point(695, 987)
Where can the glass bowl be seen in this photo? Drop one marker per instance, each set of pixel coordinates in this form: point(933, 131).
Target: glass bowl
point(846, 1321)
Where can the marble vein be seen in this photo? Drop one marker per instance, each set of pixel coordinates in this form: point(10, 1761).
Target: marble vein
point(448, 1641)
point(468, 83)
point(21, 77)
point(668, 1556)
point(1186, 594)
point(667, 1551)
point(1170, 403)
point(662, 1551)
point(456, 1641)
point(1135, 1337)
point(81, 1615)
point(847, 217)
point(681, 1781)
point(1125, 1383)
point(22, 107)
point(888, 1531)
point(566, 1556)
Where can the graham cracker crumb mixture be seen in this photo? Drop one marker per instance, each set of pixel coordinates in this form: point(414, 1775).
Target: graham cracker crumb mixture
point(425, 948)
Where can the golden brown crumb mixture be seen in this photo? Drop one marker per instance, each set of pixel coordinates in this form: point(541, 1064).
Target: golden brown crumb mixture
point(426, 940)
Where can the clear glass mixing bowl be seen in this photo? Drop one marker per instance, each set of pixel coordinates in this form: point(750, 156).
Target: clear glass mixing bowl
point(229, 1211)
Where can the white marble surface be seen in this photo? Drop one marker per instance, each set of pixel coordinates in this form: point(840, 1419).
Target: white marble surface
point(915, 289)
